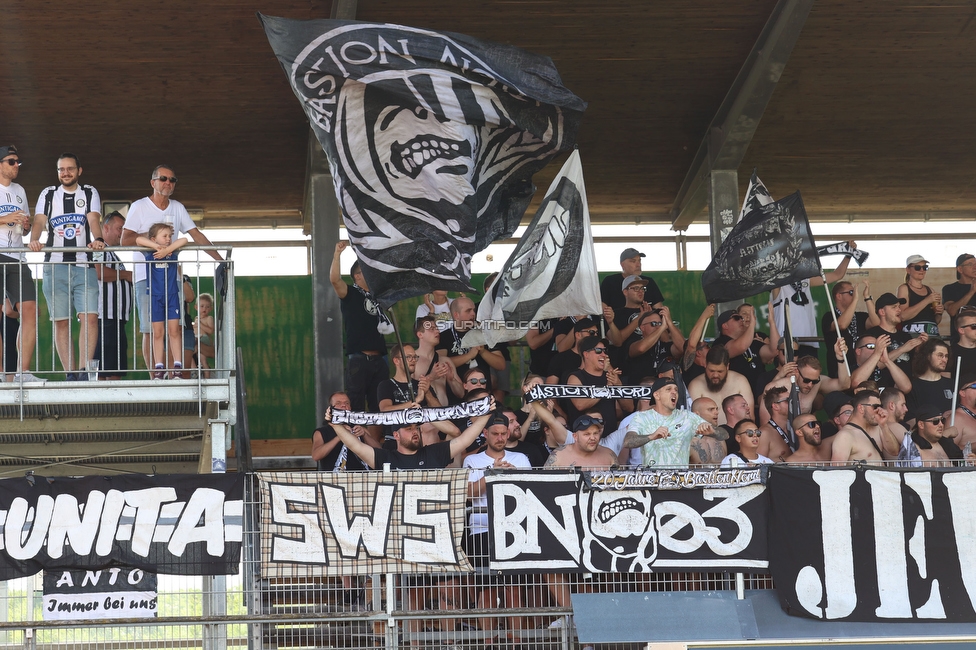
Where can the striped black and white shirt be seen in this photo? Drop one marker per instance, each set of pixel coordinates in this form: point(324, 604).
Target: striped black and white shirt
point(12, 198)
point(114, 298)
point(67, 220)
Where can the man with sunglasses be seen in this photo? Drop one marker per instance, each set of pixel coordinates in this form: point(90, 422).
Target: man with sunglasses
point(966, 411)
point(747, 436)
point(901, 343)
point(811, 445)
point(929, 386)
point(747, 356)
point(854, 443)
point(874, 364)
point(852, 323)
point(158, 207)
point(585, 449)
point(933, 437)
point(630, 264)
point(18, 283)
point(961, 293)
point(964, 341)
point(664, 432)
point(656, 341)
point(594, 370)
point(567, 361)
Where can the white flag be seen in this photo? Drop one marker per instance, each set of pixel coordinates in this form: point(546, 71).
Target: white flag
point(551, 273)
point(756, 196)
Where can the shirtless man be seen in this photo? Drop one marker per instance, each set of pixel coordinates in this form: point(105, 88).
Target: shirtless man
point(429, 363)
point(812, 382)
point(585, 450)
point(708, 450)
point(812, 447)
point(773, 442)
point(719, 382)
point(874, 364)
point(966, 411)
point(853, 443)
point(891, 426)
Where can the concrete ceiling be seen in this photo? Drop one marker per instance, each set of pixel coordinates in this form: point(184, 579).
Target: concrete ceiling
point(873, 114)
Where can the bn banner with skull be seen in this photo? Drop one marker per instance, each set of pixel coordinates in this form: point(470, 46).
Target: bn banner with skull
point(432, 139)
point(772, 246)
point(600, 522)
point(878, 544)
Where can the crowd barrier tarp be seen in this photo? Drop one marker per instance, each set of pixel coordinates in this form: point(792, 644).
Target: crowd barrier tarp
point(618, 522)
point(874, 544)
point(334, 523)
point(172, 524)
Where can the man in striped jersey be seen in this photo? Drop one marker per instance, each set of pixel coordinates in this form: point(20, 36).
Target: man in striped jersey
point(71, 213)
point(114, 304)
point(18, 283)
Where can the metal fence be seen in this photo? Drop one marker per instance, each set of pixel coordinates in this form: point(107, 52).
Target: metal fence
point(75, 308)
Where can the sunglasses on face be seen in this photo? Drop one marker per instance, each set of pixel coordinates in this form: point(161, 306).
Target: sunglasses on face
point(869, 346)
point(13, 162)
point(752, 433)
point(735, 317)
point(920, 267)
point(166, 179)
point(589, 332)
point(812, 424)
point(599, 350)
point(938, 420)
point(971, 326)
point(873, 406)
point(653, 323)
point(810, 381)
point(481, 381)
point(849, 292)
point(637, 288)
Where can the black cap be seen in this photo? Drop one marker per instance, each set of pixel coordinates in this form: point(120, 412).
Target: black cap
point(7, 150)
point(887, 300)
point(498, 419)
point(630, 253)
point(591, 342)
point(834, 401)
point(927, 412)
point(725, 317)
point(583, 324)
point(661, 382)
point(962, 259)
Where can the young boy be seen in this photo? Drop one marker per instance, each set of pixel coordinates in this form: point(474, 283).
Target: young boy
point(164, 296)
point(205, 331)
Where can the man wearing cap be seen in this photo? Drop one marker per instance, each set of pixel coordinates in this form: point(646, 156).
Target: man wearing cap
point(664, 432)
point(964, 344)
point(569, 360)
point(811, 447)
point(929, 387)
point(158, 207)
point(747, 356)
point(409, 452)
point(837, 406)
point(933, 437)
point(854, 442)
point(708, 450)
point(719, 382)
point(585, 450)
point(889, 313)
point(853, 323)
point(962, 292)
point(747, 437)
point(874, 364)
point(656, 341)
point(18, 283)
point(630, 264)
point(595, 370)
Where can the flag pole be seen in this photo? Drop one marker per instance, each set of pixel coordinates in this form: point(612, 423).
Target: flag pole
point(830, 302)
point(955, 392)
point(794, 409)
point(403, 353)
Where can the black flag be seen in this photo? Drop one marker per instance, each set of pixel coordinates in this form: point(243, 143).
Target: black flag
point(770, 247)
point(432, 139)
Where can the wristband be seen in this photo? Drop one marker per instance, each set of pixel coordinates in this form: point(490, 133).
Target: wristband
point(869, 298)
point(100, 239)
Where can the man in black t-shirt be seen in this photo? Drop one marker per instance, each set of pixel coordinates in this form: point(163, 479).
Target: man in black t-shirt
point(852, 323)
point(888, 308)
point(962, 292)
point(595, 370)
point(929, 387)
point(566, 362)
point(328, 452)
point(362, 320)
point(965, 345)
point(409, 453)
point(611, 289)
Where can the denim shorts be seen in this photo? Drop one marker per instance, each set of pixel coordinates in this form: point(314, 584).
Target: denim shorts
point(68, 287)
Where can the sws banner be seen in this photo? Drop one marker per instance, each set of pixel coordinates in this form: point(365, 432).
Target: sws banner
point(322, 523)
point(874, 544)
point(175, 524)
point(562, 522)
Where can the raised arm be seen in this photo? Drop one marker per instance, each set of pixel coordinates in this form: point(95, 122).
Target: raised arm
point(335, 276)
point(354, 444)
point(695, 337)
point(470, 434)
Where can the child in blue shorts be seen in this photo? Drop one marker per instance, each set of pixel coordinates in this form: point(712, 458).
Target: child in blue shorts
point(164, 295)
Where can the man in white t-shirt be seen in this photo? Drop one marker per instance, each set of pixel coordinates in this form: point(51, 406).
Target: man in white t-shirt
point(18, 283)
point(157, 208)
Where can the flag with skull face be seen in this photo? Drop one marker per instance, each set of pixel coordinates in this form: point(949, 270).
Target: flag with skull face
point(432, 140)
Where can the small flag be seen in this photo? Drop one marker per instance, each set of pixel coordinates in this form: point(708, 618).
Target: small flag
point(552, 271)
point(771, 246)
point(756, 196)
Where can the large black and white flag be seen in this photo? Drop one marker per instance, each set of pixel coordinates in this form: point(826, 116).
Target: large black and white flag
point(552, 271)
point(432, 139)
point(771, 246)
